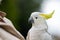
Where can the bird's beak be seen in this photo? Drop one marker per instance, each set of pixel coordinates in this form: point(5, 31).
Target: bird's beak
point(47, 16)
point(31, 20)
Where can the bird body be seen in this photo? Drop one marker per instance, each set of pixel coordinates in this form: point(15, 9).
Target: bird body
point(38, 34)
point(39, 28)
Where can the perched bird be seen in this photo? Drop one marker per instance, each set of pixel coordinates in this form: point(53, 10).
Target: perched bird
point(39, 27)
point(7, 29)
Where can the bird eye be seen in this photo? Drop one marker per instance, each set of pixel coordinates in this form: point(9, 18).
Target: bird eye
point(36, 17)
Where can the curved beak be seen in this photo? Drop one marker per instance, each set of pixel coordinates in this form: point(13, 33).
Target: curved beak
point(31, 20)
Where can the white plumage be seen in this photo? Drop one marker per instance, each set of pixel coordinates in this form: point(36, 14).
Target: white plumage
point(39, 28)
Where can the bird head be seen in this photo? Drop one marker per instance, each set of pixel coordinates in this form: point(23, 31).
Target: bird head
point(37, 17)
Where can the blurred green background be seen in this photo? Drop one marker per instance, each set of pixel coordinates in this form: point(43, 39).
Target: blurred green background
point(18, 11)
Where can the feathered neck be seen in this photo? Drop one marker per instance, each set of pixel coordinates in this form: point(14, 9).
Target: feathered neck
point(40, 24)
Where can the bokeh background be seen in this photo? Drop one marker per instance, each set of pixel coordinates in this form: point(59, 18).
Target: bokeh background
point(18, 11)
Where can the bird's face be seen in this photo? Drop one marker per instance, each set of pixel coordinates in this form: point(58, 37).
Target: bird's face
point(37, 17)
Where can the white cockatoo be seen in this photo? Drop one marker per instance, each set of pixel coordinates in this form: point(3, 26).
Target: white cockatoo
point(39, 27)
point(7, 29)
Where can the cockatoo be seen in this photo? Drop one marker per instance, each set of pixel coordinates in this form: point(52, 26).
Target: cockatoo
point(39, 27)
point(7, 29)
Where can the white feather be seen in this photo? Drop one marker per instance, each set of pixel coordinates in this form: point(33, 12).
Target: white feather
point(38, 30)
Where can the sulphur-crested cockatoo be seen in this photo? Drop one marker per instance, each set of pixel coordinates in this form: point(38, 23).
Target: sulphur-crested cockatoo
point(7, 29)
point(39, 27)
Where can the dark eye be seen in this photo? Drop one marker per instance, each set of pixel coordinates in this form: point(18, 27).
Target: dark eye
point(36, 17)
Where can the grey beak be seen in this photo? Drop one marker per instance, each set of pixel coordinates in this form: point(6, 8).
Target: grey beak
point(31, 20)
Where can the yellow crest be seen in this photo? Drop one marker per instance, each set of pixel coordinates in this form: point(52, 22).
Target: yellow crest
point(47, 16)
